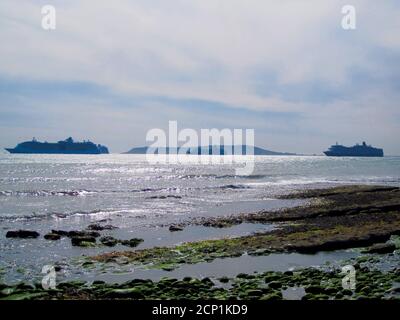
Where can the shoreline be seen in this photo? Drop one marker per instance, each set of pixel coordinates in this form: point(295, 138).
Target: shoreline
point(344, 217)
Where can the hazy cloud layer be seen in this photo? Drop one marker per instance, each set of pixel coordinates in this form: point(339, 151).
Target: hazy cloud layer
point(114, 69)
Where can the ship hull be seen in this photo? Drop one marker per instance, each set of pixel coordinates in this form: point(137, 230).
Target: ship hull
point(49, 152)
point(334, 154)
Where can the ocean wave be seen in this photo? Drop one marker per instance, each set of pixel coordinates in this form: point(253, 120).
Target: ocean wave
point(64, 215)
point(249, 177)
point(225, 176)
point(232, 186)
point(319, 181)
point(45, 193)
point(181, 189)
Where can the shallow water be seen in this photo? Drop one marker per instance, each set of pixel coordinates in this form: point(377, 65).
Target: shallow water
point(229, 267)
point(44, 192)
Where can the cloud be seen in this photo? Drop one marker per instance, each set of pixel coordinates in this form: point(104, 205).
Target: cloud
point(236, 61)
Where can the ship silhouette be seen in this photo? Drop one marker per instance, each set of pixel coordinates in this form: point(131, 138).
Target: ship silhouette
point(67, 146)
point(358, 150)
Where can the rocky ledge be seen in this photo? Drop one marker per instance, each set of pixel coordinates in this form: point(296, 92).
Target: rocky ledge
point(337, 218)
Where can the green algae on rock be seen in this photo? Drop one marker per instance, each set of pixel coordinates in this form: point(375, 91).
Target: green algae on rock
point(317, 285)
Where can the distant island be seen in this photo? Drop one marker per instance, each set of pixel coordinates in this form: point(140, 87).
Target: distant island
point(207, 150)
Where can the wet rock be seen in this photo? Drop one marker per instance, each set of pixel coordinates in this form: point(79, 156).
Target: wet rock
point(6, 291)
point(52, 236)
point(394, 291)
point(99, 227)
point(75, 233)
point(347, 292)
point(207, 281)
point(272, 296)
point(339, 243)
point(330, 290)
point(83, 241)
point(26, 296)
point(175, 228)
point(24, 286)
point(24, 234)
point(254, 293)
point(275, 284)
point(132, 242)
point(136, 282)
point(314, 289)
point(381, 248)
point(131, 293)
point(61, 233)
point(224, 280)
point(109, 241)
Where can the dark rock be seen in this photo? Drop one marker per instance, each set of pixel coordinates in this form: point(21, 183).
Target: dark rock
point(109, 241)
point(98, 227)
point(22, 234)
point(330, 290)
point(52, 236)
point(272, 296)
point(136, 282)
point(6, 292)
point(381, 248)
point(207, 281)
point(224, 280)
point(132, 293)
point(347, 292)
point(61, 233)
point(75, 233)
point(82, 241)
point(132, 242)
point(314, 289)
point(275, 285)
point(339, 243)
point(174, 228)
point(254, 293)
point(24, 286)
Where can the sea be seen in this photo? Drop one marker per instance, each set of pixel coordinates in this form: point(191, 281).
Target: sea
point(69, 192)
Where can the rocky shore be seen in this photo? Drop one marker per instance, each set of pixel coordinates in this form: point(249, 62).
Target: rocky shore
point(364, 217)
point(338, 218)
point(307, 284)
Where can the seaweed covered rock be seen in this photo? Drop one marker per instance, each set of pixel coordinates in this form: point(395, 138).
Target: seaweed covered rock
point(52, 236)
point(381, 248)
point(83, 241)
point(134, 242)
point(109, 241)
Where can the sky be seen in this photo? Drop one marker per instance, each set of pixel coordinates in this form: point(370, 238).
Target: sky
point(113, 70)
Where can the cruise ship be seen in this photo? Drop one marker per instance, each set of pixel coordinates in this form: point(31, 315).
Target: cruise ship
point(68, 146)
point(358, 150)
